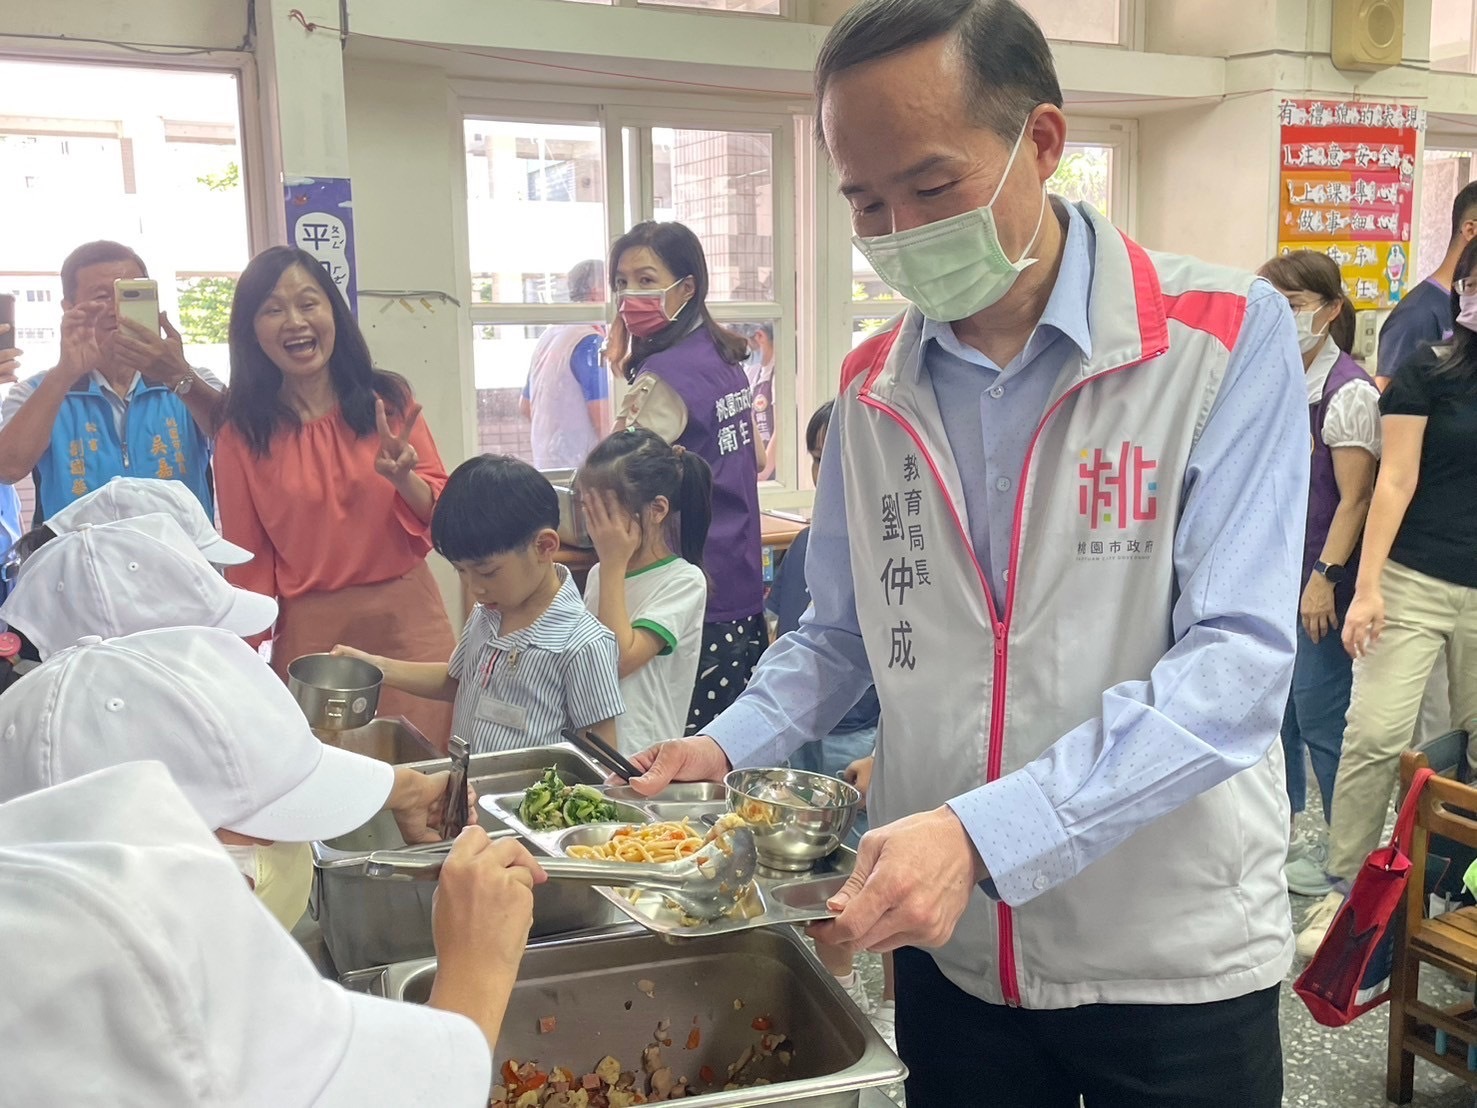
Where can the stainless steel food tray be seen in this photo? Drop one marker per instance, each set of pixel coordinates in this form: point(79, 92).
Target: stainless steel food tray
point(776, 898)
point(392, 739)
point(596, 989)
point(684, 801)
point(367, 922)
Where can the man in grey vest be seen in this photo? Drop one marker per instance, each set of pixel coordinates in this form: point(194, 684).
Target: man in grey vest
point(1059, 528)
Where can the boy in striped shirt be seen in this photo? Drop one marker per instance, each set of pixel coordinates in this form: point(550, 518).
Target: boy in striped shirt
point(532, 660)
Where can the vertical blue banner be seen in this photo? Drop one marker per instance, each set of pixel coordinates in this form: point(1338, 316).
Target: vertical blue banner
point(320, 220)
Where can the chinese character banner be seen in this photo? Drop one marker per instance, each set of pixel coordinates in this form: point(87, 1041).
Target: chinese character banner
point(1347, 189)
point(320, 220)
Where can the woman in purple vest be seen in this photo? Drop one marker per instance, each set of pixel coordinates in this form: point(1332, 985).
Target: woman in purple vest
point(1344, 418)
point(688, 385)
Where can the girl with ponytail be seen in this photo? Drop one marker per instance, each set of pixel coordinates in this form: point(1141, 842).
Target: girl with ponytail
point(641, 497)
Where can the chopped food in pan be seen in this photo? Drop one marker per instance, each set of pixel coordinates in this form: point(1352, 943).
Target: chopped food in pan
point(525, 1085)
point(550, 805)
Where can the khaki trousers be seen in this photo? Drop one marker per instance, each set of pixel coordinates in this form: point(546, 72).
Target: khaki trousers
point(1422, 615)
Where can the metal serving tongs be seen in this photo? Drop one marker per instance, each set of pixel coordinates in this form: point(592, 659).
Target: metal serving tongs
point(597, 748)
point(706, 885)
point(457, 814)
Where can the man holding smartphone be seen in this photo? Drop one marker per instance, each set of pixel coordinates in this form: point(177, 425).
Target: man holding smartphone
point(121, 400)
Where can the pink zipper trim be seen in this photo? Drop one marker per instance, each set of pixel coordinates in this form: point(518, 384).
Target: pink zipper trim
point(1009, 982)
point(994, 754)
point(1154, 336)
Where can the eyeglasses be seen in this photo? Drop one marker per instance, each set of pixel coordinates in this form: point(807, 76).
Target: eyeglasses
point(1466, 286)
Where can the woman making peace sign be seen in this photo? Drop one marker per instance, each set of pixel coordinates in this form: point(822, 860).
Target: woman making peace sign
point(326, 472)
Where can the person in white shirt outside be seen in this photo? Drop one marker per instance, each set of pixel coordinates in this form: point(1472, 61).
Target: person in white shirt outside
point(632, 488)
point(138, 970)
point(121, 399)
point(1344, 413)
point(114, 579)
point(199, 700)
point(567, 396)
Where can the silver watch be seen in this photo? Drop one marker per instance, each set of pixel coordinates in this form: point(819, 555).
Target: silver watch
point(184, 384)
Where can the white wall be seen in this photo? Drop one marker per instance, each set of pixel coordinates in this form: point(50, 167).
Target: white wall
point(1206, 180)
point(403, 161)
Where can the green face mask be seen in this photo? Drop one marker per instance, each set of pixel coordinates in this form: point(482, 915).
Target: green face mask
point(953, 268)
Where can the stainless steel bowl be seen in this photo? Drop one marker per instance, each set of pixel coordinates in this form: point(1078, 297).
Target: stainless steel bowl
point(798, 817)
point(336, 694)
point(572, 531)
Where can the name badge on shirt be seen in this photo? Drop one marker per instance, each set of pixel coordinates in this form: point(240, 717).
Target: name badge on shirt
point(493, 710)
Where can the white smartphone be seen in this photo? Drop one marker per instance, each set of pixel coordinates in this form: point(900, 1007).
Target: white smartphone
point(137, 300)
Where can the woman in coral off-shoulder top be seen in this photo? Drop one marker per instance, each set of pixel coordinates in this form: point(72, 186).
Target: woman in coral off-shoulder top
point(325, 471)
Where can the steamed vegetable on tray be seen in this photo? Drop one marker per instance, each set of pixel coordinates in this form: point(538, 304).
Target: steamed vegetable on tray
point(550, 805)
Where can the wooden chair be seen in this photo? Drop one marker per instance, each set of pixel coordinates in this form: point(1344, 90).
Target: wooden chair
point(1445, 1037)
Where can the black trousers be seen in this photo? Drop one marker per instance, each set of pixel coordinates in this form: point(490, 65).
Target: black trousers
point(962, 1051)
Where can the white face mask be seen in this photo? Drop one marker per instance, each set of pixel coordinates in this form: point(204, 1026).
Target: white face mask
point(281, 875)
point(955, 267)
point(1309, 340)
point(1467, 317)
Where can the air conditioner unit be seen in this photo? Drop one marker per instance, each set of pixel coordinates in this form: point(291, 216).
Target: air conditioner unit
point(1368, 35)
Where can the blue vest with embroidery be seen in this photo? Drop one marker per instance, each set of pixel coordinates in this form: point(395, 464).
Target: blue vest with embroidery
point(160, 439)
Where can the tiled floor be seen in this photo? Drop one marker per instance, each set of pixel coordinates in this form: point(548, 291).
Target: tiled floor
point(1325, 1067)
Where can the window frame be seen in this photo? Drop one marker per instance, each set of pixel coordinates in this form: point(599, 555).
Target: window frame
point(628, 199)
point(1130, 29)
point(787, 9)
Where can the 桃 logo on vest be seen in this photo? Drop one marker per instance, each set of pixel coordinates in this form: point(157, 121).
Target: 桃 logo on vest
point(1117, 498)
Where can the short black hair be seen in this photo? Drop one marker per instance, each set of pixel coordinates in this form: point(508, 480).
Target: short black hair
point(95, 253)
point(1462, 209)
point(819, 421)
point(1011, 67)
point(492, 504)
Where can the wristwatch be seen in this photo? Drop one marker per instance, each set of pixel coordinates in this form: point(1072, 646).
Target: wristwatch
point(1333, 574)
point(182, 386)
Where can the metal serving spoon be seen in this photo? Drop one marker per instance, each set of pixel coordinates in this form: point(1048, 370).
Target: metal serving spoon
point(706, 885)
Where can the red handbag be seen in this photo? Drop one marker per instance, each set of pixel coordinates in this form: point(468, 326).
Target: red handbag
point(1350, 974)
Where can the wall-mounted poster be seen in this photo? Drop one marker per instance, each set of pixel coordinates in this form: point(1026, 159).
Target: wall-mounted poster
point(1347, 176)
point(320, 220)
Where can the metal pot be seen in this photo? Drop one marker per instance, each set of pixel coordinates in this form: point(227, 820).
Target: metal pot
point(572, 531)
point(336, 694)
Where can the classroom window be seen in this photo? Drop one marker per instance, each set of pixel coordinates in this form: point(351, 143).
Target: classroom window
point(539, 196)
point(501, 360)
point(147, 157)
point(535, 207)
point(757, 7)
point(1453, 26)
point(753, 7)
point(1079, 20)
point(726, 184)
point(721, 184)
